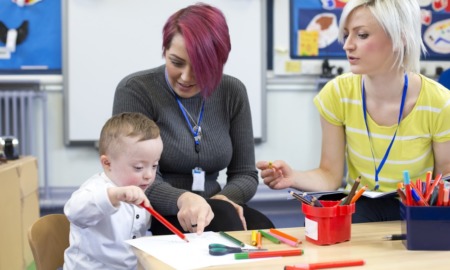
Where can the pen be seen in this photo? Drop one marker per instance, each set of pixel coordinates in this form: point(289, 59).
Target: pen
point(165, 222)
point(324, 265)
point(285, 235)
point(395, 237)
point(267, 254)
point(269, 236)
point(232, 239)
point(284, 240)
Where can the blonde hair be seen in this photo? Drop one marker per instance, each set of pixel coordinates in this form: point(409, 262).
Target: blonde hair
point(401, 20)
point(122, 125)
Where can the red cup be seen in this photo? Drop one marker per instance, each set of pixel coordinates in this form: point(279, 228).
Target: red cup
point(328, 225)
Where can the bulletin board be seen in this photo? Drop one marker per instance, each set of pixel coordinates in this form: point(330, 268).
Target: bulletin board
point(314, 29)
point(36, 49)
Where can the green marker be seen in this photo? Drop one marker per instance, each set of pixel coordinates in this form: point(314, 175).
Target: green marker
point(232, 239)
point(270, 237)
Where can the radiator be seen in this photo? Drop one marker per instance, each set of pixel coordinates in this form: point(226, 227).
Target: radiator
point(20, 110)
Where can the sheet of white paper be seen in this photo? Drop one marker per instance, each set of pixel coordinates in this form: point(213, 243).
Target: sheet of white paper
point(181, 255)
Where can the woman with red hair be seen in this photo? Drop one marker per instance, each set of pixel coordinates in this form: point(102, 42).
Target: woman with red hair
point(206, 126)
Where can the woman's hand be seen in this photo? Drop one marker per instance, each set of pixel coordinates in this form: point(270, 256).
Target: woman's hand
point(238, 208)
point(195, 213)
point(277, 174)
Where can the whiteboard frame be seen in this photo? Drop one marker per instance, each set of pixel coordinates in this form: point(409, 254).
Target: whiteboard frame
point(80, 70)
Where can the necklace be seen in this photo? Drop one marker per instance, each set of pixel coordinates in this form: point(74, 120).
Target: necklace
point(388, 150)
point(196, 127)
point(196, 130)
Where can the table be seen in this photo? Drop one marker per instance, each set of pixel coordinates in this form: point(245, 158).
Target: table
point(366, 243)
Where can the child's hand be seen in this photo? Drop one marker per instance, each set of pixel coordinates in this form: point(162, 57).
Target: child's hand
point(128, 194)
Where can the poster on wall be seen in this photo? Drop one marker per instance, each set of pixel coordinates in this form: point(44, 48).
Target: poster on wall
point(30, 37)
point(314, 29)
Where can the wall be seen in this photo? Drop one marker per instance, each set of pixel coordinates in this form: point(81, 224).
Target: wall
point(293, 130)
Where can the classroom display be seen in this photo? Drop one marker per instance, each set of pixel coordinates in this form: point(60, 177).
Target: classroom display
point(314, 29)
point(30, 37)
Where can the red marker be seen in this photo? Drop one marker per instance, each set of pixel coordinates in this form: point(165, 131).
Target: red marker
point(324, 265)
point(165, 222)
point(267, 254)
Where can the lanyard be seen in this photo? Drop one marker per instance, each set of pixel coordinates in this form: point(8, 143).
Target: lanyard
point(196, 131)
point(402, 104)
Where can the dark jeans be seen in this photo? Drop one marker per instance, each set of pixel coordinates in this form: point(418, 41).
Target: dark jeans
point(372, 210)
point(225, 219)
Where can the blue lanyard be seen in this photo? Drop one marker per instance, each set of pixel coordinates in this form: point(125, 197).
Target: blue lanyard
point(196, 132)
point(402, 104)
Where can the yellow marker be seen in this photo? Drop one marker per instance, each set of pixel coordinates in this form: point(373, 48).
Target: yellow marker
point(270, 164)
point(254, 234)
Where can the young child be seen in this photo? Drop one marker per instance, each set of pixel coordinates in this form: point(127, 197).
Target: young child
point(104, 211)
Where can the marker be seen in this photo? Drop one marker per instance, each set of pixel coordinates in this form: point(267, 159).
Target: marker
point(358, 194)
point(324, 265)
point(285, 235)
point(350, 195)
point(254, 238)
point(165, 222)
point(427, 182)
point(431, 190)
point(269, 236)
point(406, 183)
point(417, 196)
point(259, 240)
point(394, 237)
point(284, 240)
point(267, 254)
point(232, 239)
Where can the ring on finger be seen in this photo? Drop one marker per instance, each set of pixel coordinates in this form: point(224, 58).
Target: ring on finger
point(193, 225)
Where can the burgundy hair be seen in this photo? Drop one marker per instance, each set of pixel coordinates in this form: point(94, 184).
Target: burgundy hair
point(207, 40)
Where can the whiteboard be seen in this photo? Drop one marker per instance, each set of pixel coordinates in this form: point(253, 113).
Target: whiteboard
point(105, 40)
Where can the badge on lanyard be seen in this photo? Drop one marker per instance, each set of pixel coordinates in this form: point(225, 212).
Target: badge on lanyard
point(198, 183)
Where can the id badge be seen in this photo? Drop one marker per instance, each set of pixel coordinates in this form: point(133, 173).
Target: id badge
point(198, 184)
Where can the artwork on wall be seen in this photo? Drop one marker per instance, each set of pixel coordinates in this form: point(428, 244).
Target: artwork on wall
point(314, 28)
point(30, 37)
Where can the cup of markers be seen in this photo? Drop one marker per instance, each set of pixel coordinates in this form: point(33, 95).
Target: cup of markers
point(425, 213)
point(328, 224)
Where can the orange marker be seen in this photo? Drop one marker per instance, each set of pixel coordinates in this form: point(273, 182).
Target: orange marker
point(358, 194)
point(431, 188)
point(258, 240)
point(285, 235)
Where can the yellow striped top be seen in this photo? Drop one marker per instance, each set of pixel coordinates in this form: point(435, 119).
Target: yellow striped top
point(340, 103)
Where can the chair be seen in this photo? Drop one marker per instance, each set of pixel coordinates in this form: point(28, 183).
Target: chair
point(48, 238)
point(444, 78)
